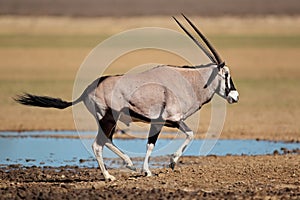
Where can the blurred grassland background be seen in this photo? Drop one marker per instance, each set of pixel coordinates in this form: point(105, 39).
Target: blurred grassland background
point(41, 53)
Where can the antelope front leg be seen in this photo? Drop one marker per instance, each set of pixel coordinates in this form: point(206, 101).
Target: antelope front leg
point(152, 138)
point(146, 169)
point(189, 137)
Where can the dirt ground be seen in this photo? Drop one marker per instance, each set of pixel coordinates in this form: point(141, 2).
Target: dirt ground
point(212, 177)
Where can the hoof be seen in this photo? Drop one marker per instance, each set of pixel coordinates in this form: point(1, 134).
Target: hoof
point(172, 165)
point(110, 178)
point(131, 168)
point(147, 173)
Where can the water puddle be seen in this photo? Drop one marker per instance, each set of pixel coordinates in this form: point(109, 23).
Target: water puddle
point(44, 149)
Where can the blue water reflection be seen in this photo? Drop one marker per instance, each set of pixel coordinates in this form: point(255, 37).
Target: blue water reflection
point(29, 151)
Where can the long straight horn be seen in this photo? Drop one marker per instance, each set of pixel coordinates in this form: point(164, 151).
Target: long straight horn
point(205, 40)
point(207, 53)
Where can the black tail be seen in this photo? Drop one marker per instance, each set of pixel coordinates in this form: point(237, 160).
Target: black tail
point(43, 101)
point(50, 102)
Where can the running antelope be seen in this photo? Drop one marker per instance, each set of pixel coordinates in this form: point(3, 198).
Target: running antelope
point(162, 96)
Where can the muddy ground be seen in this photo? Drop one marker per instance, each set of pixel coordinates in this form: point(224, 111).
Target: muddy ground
point(230, 177)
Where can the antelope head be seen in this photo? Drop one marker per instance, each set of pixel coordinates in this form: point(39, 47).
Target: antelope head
point(226, 87)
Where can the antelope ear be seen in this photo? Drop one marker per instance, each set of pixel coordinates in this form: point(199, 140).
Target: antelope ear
point(221, 65)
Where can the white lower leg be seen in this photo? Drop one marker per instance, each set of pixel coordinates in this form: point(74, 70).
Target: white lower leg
point(123, 156)
point(178, 153)
point(146, 161)
point(98, 153)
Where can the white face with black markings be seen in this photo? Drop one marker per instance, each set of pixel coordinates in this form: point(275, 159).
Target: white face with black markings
point(227, 89)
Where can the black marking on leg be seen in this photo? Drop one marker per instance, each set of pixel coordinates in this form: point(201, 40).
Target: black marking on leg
point(183, 149)
point(154, 133)
point(172, 165)
point(145, 173)
point(108, 124)
point(153, 139)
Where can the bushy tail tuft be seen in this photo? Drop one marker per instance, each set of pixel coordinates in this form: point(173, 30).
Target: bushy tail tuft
point(42, 101)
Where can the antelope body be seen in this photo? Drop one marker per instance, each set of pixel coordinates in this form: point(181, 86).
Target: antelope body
point(163, 96)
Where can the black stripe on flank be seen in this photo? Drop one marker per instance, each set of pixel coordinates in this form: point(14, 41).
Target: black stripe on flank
point(138, 117)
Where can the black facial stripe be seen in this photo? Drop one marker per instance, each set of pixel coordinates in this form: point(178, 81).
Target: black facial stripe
point(226, 85)
point(232, 87)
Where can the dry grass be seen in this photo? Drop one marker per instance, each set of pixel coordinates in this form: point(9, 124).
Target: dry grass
point(266, 74)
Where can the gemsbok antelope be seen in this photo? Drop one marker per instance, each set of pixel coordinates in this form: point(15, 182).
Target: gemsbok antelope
point(162, 96)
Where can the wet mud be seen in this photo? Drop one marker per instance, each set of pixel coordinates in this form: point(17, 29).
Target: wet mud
point(213, 177)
